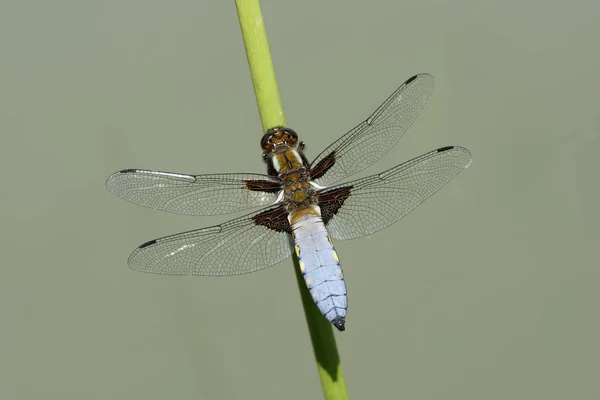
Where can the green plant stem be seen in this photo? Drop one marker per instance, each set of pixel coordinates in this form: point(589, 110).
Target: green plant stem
point(260, 63)
point(271, 114)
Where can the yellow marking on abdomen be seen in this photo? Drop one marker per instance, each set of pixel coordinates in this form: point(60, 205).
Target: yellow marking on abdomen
point(307, 282)
point(335, 256)
point(302, 266)
point(297, 251)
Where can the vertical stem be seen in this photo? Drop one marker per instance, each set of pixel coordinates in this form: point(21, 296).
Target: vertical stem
point(271, 114)
point(260, 63)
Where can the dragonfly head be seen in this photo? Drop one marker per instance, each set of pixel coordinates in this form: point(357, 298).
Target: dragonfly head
point(278, 139)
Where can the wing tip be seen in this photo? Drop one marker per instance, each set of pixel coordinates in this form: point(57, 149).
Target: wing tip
point(113, 179)
point(458, 149)
point(422, 75)
point(131, 261)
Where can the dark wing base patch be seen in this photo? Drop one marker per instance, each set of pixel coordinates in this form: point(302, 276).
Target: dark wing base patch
point(274, 219)
point(330, 201)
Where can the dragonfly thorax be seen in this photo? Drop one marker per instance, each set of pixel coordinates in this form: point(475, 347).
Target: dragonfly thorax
point(284, 154)
point(298, 192)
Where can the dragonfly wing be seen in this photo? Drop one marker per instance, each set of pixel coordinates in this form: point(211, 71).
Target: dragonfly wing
point(375, 136)
point(211, 194)
point(240, 246)
point(364, 206)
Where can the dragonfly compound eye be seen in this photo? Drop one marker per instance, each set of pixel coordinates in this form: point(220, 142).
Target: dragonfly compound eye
point(289, 136)
point(278, 136)
point(265, 143)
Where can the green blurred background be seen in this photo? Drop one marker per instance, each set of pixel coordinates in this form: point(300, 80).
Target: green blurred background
point(489, 290)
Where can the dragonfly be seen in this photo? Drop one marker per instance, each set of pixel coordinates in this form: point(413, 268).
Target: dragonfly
point(299, 206)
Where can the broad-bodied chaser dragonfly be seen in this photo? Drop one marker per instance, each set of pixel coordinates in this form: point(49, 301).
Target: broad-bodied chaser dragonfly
point(297, 198)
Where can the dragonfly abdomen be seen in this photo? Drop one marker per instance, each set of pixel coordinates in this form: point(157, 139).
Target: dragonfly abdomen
point(321, 268)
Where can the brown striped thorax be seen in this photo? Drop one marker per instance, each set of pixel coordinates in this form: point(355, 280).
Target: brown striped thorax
point(284, 155)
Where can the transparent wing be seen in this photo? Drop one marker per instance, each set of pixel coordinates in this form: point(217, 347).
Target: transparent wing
point(211, 194)
point(239, 246)
point(367, 205)
point(375, 136)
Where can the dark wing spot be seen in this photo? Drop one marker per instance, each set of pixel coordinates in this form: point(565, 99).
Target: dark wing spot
point(323, 166)
point(274, 219)
point(330, 201)
point(149, 243)
point(442, 149)
point(412, 78)
point(263, 186)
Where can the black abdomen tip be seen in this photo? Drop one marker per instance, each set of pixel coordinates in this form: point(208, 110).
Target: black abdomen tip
point(339, 323)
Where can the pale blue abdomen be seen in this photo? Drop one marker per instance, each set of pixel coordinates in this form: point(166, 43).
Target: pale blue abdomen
point(321, 268)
